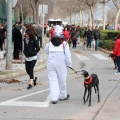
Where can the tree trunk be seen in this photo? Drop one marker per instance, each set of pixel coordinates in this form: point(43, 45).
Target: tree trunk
point(37, 15)
point(70, 19)
point(80, 18)
point(34, 11)
point(92, 16)
point(116, 19)
point(89, 20)
point(104, 14)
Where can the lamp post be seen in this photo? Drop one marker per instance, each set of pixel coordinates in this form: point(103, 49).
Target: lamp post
point(10, 5)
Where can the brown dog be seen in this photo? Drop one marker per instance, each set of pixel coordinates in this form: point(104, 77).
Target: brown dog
point(114, 59)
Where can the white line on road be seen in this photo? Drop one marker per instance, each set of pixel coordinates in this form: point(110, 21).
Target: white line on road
point(100, 57)
point(82, 57)
point(13, 102)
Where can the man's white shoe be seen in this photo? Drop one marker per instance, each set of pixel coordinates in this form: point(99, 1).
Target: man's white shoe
point(117, 73)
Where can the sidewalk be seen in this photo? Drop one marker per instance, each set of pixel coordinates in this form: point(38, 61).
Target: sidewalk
point(18, 69)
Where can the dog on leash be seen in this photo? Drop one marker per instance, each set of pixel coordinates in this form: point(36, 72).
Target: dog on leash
point(89, 82)
point(93, 45)
point(2, 54)
point(114, 59)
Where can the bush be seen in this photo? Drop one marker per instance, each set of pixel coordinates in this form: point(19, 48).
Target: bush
point(109, 34)
point(110, 46)
point(107, 44)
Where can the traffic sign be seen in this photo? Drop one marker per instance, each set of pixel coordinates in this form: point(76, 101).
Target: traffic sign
point(43, 9)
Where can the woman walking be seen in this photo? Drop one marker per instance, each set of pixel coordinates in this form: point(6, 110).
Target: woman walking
point(31, 48)
point(74, 37)
point(66, 34)
point(59, 58)
point(116, 52)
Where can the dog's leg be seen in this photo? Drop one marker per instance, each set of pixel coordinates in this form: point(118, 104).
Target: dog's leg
point(98, 92)
point(84, 94)
point(95, 88)
point(115, 64)
point(89, 91)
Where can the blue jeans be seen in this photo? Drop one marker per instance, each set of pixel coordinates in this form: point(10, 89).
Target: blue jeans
point(118, 62)
point(89, 40)
point(96, 44)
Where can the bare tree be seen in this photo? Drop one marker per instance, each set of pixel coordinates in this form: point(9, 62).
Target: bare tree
point(117, 4)
point(91, 4)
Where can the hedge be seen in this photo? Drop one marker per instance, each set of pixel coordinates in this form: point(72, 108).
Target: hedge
point(107, 44)
point(109, 34)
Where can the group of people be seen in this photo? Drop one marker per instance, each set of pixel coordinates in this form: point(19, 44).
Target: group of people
point(68, 33)
point(90, 36)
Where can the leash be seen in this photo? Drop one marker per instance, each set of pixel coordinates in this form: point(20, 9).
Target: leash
point(74, 70)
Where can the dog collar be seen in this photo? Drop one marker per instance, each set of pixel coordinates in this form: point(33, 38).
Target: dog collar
point(89, 81)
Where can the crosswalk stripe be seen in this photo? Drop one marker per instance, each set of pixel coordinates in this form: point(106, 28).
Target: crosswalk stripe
point(15, 102)
point(100, 57)
point(82, 57)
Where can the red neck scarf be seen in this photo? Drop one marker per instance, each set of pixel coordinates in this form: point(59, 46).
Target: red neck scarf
point(89, 81)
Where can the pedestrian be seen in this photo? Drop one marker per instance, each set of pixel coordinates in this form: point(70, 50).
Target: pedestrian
point(85, 38)
point(17, 41)
point(31, 48)
point(52, 32)
point(66, 34)
point(38, 32)
point(79, 33)
point(89, 37)
point(59, 58)
point(116, 53)
point(2, 36)
point(96, 35)
point(74, 37)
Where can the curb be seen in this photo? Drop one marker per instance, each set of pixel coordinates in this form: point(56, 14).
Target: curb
point(105, 51)
point(21, 72)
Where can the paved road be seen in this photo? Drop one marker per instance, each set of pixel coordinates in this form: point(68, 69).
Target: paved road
point(18, 103)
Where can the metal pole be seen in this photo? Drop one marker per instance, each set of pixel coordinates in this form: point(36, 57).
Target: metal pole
point(9, 34)
point(43, 24)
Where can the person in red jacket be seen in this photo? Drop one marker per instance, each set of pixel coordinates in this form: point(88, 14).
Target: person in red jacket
point(66, 34)
point(52, 32)
point(116, 52)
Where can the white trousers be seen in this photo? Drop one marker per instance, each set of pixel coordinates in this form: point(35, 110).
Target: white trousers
point(57, 81)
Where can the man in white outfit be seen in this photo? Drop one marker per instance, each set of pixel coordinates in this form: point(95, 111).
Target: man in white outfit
point(59, 58)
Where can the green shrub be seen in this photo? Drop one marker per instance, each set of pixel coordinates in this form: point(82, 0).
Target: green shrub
point(110, 46)
point(107, 44)
point(109, 34)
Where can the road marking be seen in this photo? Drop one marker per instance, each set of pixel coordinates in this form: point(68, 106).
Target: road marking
point(82, 57)
point(100, 57)
point(13, 102)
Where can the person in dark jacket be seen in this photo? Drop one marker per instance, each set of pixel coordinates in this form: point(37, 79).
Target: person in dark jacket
point(17, 41)
point(74, 37)
point(96, 35)
point(2, 36)
point(85, 37)
point(89, 37)
point(31, 48)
